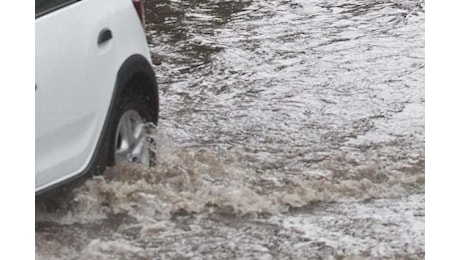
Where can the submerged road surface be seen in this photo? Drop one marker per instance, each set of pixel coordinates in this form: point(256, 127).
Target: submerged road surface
point(288, 130)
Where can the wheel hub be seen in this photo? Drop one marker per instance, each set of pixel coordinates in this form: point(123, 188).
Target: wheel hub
point(131, 139)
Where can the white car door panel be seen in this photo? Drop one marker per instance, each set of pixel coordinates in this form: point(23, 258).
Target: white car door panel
point(75, 77)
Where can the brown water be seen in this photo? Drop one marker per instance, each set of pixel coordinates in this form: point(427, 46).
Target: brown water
point(288, 130)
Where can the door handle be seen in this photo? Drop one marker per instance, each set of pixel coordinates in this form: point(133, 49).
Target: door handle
point(104, 36)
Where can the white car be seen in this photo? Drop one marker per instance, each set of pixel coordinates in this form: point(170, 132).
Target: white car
point(95, 88)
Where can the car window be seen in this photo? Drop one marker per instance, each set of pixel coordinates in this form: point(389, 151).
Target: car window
point(45, 6)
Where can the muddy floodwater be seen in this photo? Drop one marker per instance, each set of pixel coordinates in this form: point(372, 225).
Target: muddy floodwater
point(288, 130)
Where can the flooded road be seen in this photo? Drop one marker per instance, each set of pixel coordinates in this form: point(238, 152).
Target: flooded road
point(288, 130)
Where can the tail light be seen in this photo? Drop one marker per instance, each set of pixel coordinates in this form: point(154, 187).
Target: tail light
point(140, 10)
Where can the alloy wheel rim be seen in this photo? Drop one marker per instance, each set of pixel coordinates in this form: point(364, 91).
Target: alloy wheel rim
point(130, 142)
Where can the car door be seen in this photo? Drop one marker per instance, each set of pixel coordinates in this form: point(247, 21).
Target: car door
point(74, 83)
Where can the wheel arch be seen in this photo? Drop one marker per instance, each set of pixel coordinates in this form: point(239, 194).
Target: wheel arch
point(136, 76)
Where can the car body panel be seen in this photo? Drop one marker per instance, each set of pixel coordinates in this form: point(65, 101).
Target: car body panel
point(75, 81)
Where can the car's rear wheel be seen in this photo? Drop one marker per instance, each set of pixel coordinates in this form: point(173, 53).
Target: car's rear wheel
point(131, 140)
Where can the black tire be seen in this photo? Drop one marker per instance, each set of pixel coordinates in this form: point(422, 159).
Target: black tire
point(130, 103)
